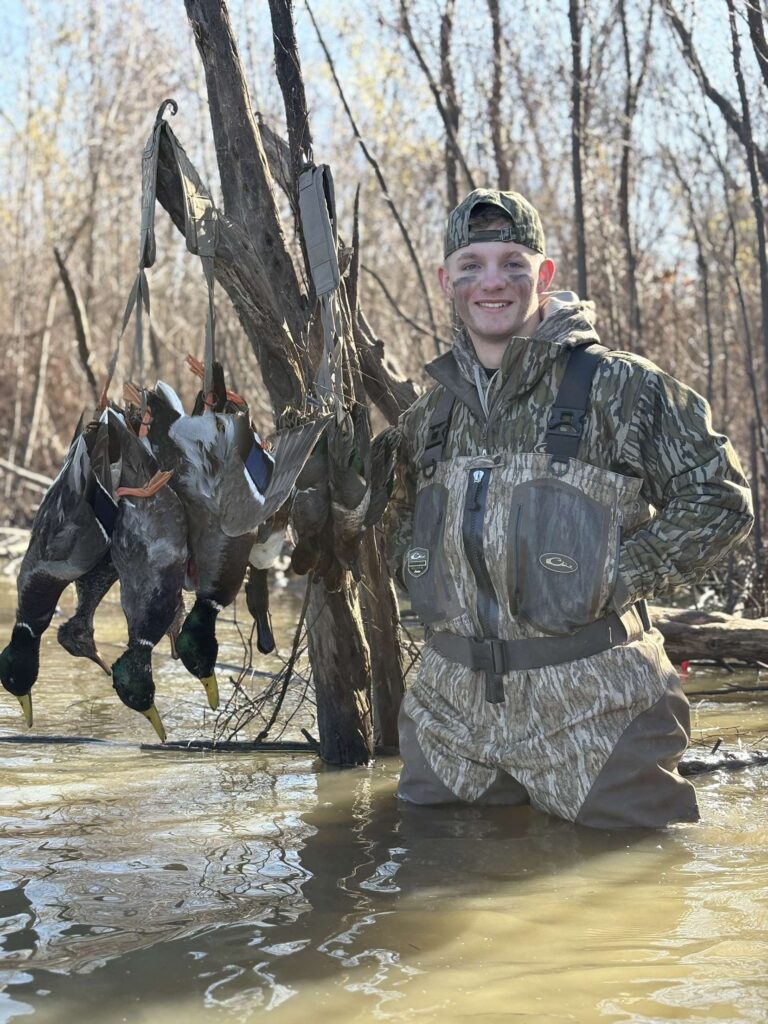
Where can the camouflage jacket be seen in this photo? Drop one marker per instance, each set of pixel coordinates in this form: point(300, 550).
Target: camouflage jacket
point(640, 422)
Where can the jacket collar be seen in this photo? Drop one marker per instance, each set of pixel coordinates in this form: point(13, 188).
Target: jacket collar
point(566, 322)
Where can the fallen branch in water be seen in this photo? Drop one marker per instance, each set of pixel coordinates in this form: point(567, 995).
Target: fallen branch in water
point(695, 635)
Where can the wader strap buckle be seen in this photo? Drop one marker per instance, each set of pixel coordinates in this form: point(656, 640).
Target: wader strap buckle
point(568, 413)
point(565, 421)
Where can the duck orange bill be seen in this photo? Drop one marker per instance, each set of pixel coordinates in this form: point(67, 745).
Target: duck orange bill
point(152, 714)
point(212, 689)
point(152, 487)
point(26, 707)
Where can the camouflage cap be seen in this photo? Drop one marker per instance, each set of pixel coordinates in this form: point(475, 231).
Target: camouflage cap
point(524, 224)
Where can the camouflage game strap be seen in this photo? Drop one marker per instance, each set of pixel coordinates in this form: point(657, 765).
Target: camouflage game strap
point(567, 415)
point(317, 212)
point(200, 229)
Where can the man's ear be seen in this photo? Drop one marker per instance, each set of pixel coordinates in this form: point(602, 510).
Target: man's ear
point(445, 282)
point(546, 274)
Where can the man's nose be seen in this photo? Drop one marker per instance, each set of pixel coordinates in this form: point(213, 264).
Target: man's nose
point(493, 279)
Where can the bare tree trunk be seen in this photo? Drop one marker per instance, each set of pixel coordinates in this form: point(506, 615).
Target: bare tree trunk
point(703, 268)
point(756, 22)
point(494, 100)
point(42, 378)
point(631, 91)
point(342, 672)
point(254, 265)
point(759, 590)
point(757, 203)
point(448, 87)
point(577, 145)
point(381, 612)
point(82, 324)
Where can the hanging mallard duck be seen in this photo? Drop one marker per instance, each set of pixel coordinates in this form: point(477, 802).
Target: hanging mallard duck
point(70, 535)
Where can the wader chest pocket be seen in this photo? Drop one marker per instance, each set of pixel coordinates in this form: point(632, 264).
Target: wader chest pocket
point(562, 556)
point(431, 589)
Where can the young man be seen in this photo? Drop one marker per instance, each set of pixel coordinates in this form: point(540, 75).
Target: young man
point(546, 487)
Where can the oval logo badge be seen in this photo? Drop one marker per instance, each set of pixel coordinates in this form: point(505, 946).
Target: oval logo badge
point(417, 561)
point(558, 563)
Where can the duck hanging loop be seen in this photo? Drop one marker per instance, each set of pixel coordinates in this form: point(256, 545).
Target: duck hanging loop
point(200, 230)
point(161, 110)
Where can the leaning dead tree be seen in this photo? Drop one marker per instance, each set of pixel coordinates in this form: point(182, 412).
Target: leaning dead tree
point(276, 304)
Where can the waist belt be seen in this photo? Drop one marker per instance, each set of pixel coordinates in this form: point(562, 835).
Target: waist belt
point(497, 657)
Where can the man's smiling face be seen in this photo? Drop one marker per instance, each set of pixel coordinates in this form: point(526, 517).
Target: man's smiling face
point(495, 287)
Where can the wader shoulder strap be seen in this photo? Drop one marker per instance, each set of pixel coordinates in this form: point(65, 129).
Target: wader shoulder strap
point(566, 417)
point(437, 433)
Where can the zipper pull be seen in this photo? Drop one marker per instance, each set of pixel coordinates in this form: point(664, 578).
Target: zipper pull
point(472, 503)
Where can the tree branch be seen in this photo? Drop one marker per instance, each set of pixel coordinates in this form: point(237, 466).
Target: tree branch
point(726, 108)
point(435, 90)
point(755, 20)
point(246, 183)
point(82, 328)
point(380, 178)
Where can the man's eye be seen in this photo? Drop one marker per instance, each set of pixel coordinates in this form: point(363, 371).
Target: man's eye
point(469, 266)
point(514, 266)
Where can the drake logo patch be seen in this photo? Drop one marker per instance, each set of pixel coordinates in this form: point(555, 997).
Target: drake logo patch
point(417, 561)
point(558, 563)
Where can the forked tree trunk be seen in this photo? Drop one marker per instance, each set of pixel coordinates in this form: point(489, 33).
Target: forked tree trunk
point(255, 267)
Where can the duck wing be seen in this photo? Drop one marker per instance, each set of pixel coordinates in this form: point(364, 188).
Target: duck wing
point(66, 539)
point(291, 449)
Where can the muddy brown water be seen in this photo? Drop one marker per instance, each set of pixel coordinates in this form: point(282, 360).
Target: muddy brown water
point(147, 886)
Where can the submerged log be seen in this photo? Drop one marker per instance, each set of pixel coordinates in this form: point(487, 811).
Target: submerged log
point(695, 635)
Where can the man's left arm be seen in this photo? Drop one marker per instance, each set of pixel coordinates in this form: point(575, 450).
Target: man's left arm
point(692, 477)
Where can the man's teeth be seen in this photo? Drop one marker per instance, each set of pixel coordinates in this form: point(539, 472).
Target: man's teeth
point(493, 305)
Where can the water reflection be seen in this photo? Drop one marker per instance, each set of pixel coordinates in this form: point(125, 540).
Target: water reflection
point(285, 879)
point(149, 886)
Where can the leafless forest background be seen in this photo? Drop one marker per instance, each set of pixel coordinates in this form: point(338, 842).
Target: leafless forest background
point(638, 128)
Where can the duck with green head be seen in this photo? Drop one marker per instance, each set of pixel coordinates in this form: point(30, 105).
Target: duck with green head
point(149, 551)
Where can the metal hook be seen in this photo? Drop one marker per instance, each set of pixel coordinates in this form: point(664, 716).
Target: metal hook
point(161, 109)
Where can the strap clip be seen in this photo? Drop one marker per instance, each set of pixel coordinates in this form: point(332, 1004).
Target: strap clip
point(498, 656)
point(563, 420)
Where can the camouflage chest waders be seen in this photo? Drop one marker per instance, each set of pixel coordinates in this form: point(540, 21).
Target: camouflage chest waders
point(524, 672)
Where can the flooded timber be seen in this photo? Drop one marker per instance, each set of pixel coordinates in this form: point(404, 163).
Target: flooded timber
point(139, 885)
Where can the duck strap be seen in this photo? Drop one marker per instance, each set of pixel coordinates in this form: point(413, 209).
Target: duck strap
point(317, 212)
point(200, 230)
